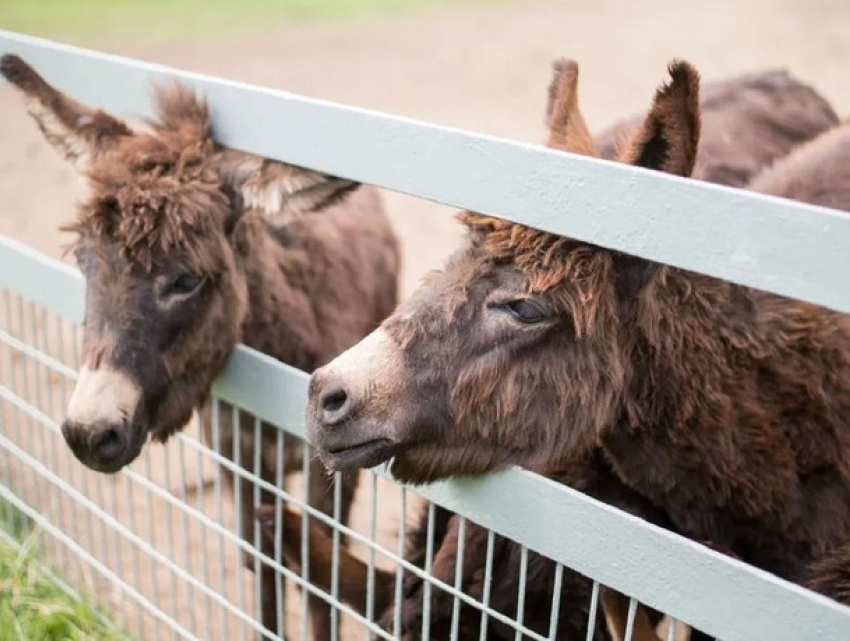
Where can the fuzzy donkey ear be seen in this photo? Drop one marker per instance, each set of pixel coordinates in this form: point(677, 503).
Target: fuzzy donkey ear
point(567, 129)
point(78, 132)
point(179, 110)
point(668, 139)
point(280, 191)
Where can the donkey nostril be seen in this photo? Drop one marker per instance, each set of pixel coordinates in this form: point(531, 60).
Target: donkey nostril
point(107, 444)
point(334, 404)
point(333, 401)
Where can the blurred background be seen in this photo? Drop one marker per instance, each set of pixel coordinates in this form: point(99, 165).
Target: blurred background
point(481, 65)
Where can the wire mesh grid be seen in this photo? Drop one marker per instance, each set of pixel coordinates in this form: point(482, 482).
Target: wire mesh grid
point(158, 546)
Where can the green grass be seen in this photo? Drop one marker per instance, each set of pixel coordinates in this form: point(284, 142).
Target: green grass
point(146, 20)
point(33, 606)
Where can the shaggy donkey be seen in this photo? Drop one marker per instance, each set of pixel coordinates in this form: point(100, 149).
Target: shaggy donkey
point(771, 134)
point(723, 405)
point(189, 248)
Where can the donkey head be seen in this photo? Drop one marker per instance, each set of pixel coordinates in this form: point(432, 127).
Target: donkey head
point(161, 240)
point(514, 353)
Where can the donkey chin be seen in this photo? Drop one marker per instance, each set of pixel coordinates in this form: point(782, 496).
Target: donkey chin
point(103, 427)
point(352, 448)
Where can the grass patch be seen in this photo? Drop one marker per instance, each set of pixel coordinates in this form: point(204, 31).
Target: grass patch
point(33, 606)
point(145, 20)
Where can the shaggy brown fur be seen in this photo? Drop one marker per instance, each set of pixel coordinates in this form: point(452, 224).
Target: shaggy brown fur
point(724, 406)
point(562, 130)
point(189, 248)
point(831, 575)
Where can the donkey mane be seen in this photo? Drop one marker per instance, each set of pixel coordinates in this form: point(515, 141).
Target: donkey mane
point(179, 109)
point(158, 193)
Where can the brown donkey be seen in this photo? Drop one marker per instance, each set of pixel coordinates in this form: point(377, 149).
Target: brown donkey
point(189, 248)
point(723, 406)
point(774, 113)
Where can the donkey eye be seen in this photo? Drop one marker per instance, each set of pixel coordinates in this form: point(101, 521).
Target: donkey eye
point(182, 285)
point(526, 311)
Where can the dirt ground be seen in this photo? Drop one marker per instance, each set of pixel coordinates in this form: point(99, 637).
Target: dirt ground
point(484, 69)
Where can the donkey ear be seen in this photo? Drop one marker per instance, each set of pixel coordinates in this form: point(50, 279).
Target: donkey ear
point(567, 129)
point(667, 141)
point(179, 110)
point(279, 191)
point(78, 132)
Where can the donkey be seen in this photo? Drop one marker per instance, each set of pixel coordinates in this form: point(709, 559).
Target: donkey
point(771, 134)
point(189, 248)
point(723, 406)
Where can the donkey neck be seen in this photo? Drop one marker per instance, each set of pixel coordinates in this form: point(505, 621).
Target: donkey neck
point(280, 319)
point(727, 423)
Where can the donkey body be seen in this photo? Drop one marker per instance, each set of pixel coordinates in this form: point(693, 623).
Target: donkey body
point(189, 248)
point(776, 114)
point(748, 122)
point(831, 575)
point(724, 407)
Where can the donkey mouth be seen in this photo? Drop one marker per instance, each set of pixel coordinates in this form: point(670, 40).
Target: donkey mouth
point(108, 449)
point(359, 455)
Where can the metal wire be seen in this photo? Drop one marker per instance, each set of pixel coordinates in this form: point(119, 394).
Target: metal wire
point(630, 619)
point(144, 556)
point(93, 562)
point(591, 616)
point(398, 559)
point(461, 541)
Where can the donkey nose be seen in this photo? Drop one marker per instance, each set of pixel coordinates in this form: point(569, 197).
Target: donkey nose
point(98, 446)
point(334, 405)
point(106, 443)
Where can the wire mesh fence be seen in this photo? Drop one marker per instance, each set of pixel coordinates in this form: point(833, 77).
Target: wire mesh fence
point(158, 545)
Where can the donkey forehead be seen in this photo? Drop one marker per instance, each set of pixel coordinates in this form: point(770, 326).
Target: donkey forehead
point(454, 293)
point(151, 199)
point(179, 158)
point(149, 236)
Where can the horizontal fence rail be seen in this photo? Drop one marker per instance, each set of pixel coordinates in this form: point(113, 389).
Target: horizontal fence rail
point(786, 247)
point(780, 246)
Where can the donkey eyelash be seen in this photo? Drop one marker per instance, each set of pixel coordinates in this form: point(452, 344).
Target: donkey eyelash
point(183, 285)
point(524, 310)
